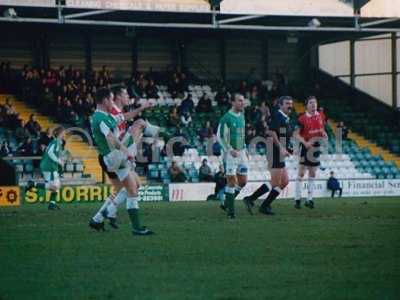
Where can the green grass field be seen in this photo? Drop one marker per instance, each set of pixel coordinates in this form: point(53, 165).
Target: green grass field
point(344, 249)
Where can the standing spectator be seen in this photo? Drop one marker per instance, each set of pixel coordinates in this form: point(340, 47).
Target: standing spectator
point(243, 89)
point(334, 185)
point(344, 130)
point(33, 126)
point(176, 173)
point(204, 105)
point(205, 173)
point(264, 109)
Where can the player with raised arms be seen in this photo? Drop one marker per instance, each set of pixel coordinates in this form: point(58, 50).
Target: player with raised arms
point(310, 132)
point(280, 130)
point(231, 136)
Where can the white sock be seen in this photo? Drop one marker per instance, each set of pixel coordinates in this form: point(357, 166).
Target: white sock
point(98, 217)
point(310, 188)
point(117, 201)
point(297, 192)
point(132, 202)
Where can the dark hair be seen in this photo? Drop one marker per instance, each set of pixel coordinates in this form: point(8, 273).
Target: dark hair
point(102, 94)
point(309, 98)
point(283, 99)
point(119, 89)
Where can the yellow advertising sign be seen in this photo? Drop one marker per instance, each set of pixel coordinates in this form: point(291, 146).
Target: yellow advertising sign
point(9, 196)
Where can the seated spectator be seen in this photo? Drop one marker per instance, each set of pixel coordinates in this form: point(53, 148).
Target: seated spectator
point(187, 105)
point(206, 132)
point(176, 173)
point(220, 183)
point(44, 139)
point(216, 148)
point(321, 111)
point(186, 119)
point(21, 133)
point(152, 90)
point(33, 126)
point(334, 185)
point(344, 130)
point(204, 105)
point(4, 149)
point(254, 115)
point(205, 173)
point(223, 97)
point(264, 109)
point(254, 95)
point(174, 118)
point(26, 148)
point(243, 88)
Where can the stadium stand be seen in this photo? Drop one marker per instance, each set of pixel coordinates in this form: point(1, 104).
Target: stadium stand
point(65, 95)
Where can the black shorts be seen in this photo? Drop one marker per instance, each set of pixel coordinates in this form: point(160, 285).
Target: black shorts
point(310, 157)
point(103, 166)
point(276, 161)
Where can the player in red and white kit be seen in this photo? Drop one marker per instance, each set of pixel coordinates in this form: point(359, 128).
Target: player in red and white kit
point(310, 132)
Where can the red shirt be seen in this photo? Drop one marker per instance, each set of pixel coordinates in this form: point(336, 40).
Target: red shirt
point(123, 126)
point(311, 126)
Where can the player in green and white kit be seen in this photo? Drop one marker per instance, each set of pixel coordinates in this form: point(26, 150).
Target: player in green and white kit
point(114, 158)
point(231, 136)
point(50, 164)
point(129, 138)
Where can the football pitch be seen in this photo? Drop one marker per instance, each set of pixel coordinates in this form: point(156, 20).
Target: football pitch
point(343, 249)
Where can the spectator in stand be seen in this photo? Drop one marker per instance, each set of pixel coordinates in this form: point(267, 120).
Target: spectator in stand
point(204, 105)
point(33, 127)
point(186, 119)
point(187, 105)
point(206, 132)
point(26, 148)
point(223, 97)
point(21, 133)
point(264, 109)
point(205, 173)
point(220, 183)
point(250, 135)
point(176, 173)
point(254, 95)
point(175, 88)
point(334, 185)
point(243, 89)
point(322, 113)
point(44, 140)
point(254, 115)
point(174, 119)
point(4, 149)
point(152, 90)
point(344, 130)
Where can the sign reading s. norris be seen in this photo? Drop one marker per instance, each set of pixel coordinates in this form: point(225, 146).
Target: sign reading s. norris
point(89, 193)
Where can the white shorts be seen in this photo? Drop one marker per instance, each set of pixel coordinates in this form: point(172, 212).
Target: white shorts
point(117, 162)
point(236, 165)
point(52, 179)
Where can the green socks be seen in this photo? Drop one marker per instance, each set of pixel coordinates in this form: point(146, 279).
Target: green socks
point(134, 217)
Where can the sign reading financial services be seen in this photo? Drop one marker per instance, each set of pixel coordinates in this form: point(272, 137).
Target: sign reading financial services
point(351, 188)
